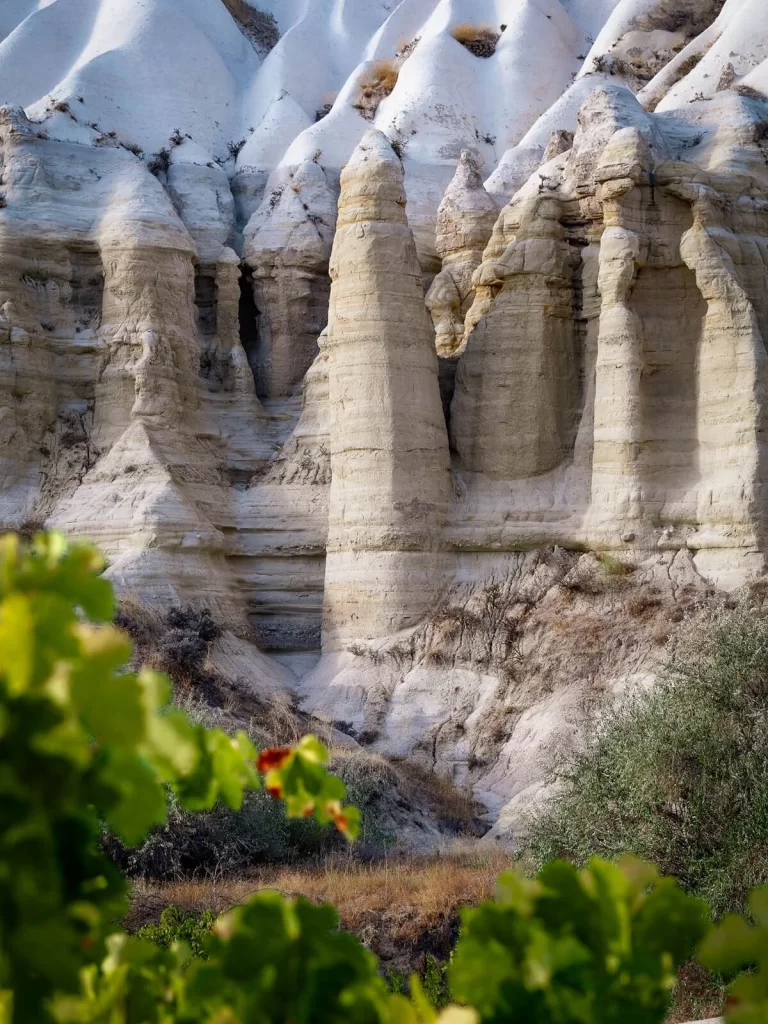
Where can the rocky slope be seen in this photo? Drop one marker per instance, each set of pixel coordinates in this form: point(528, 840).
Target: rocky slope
point(219, 224)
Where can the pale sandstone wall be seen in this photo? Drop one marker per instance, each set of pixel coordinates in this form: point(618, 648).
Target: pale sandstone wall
point(608, 334)
point(465, 220)
point(287, 246)
point(390, 481)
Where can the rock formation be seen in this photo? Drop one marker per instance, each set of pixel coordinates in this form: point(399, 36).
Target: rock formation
point(217, 362)
point(390, 482)
point(513, 412)
point(287, 247)
point(465, 220)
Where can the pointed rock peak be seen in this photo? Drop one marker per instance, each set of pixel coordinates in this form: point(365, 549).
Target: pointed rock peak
point(375, 148)
point(310, 174)
point(372, 186)
point(468, 169)
point(466, 191)
point(298, 210)
point(560, 141)
point(607, 110)
point(14, 121)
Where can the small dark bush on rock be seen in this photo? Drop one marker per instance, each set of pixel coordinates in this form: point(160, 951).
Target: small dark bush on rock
point(480, 40)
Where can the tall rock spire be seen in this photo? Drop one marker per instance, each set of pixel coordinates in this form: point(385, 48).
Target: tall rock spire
point(465, 222)
point(389, 446)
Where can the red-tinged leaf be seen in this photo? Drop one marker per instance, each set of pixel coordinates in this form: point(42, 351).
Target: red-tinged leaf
point(273, 758)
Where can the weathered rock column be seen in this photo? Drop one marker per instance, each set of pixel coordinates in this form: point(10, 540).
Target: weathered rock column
point(513, 413)
point(616, 484)
point(465, 223)
point(733, 396)
point(389, 446)
point(287, 245)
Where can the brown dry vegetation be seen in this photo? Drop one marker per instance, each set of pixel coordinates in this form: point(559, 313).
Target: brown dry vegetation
point(402, 909)
point(698, 996)
point(480, 40)
point(375, 84)
point(259, 27)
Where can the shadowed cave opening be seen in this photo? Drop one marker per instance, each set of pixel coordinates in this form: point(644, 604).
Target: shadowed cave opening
point(206, 301)
point(249, 327)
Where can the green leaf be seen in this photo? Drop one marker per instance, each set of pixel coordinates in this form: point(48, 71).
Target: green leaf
point(114, 714)
point(17, 642)
point(141, 798)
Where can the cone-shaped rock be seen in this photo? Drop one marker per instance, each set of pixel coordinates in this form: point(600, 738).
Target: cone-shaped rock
point(389, 447)
point(465, 223)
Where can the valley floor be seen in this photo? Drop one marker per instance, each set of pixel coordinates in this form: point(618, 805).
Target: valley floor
point(404, 909)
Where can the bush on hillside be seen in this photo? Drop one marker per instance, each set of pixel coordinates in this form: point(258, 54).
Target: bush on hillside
point(679, 774)
point(480, 40)
point(376, 83)
point(224, 843)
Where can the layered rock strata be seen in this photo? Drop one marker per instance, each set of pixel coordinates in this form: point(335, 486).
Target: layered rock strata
point(465, 220)
point(168, 388)
point(287, 246)
point(390, 480)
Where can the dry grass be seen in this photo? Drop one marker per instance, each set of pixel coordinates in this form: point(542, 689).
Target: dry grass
point(400, 908)
point(480, 40)
point(637, 607)
point(698, 996)
point(687, 66)
point(375, 84)
point(449, 803)
point(257, 26)
point(405, 48)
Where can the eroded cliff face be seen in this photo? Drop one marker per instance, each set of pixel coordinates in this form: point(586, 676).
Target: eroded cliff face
point(447, 457)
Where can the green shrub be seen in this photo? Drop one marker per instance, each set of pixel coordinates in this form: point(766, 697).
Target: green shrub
point(679, 775)
point(176, 926)
point(85, 742)
point(433, 981)
point(613, 566)
point(598, 945)
point(737, 945)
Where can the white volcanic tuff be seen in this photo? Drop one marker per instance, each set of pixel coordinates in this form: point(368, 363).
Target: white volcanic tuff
point(519, 163)
point(447, 99)
point(143, 68)
point(305, 70)
point(503, 675)
point(451, 97)
point(465, 221)
point(287, 245)
point(642, 29)
point(127, 411)
point(736, 54)
point(98, 310)
point(146, 68)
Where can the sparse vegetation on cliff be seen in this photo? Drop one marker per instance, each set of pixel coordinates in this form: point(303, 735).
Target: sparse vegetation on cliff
point(480, 40)
point(679, 773)
point(376, 83)
point(258, 26)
